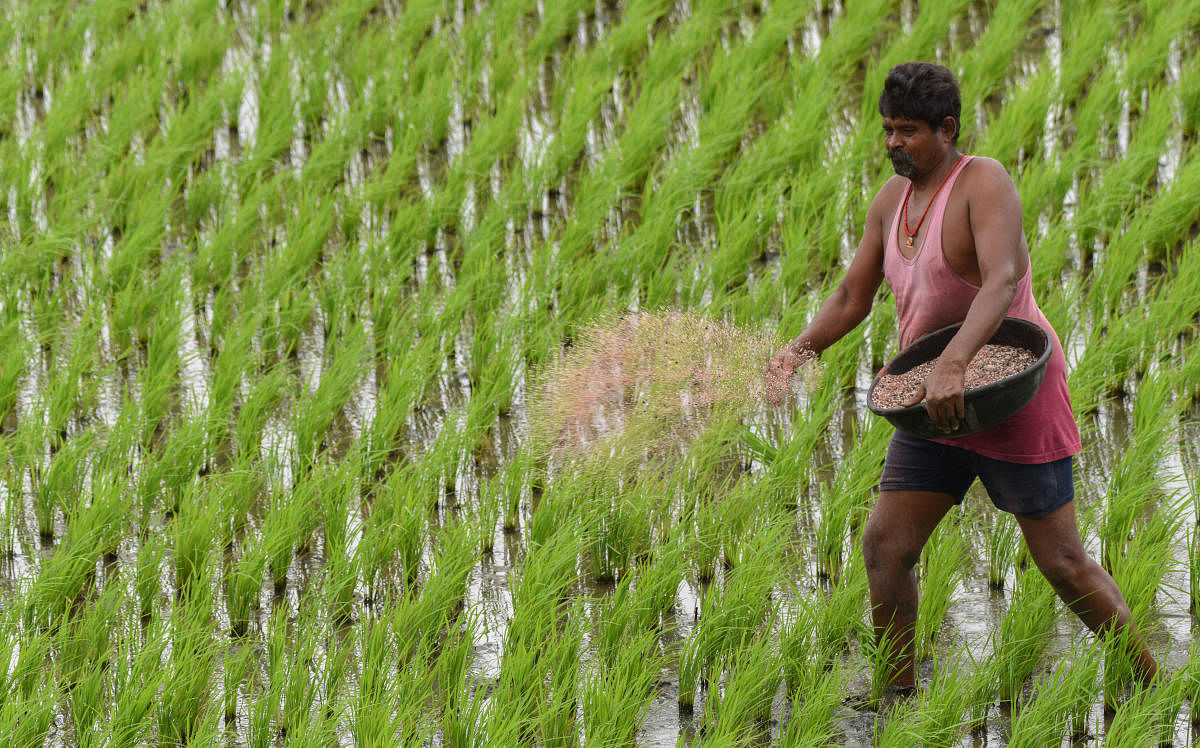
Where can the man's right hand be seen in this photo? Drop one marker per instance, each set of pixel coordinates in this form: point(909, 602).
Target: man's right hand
point(780, 370)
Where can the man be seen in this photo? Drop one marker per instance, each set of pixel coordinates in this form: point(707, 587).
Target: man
point(946, 234)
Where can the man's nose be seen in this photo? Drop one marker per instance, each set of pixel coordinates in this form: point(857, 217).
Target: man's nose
point(891, 140)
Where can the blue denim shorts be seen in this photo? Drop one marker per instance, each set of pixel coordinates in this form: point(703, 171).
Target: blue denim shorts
point(915, 464)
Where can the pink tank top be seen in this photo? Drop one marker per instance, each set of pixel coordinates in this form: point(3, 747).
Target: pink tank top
point(930, 295)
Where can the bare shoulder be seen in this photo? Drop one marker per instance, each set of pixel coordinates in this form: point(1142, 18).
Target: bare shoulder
point(988, 174)
point(885, 201)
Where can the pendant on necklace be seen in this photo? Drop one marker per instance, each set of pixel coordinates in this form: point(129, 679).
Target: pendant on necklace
point(908, 242)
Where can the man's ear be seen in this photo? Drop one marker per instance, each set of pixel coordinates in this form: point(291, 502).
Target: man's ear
point(949, 127)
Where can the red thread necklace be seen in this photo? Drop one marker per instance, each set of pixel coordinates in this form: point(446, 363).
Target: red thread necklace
point(908, 193)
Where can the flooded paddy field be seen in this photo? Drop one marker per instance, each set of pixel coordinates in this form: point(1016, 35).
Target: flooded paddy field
point(281, 281)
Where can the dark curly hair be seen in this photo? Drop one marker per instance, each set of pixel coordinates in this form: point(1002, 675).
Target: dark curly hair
point(922, 91)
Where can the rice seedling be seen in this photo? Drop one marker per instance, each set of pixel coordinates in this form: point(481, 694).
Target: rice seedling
point(1194, 571)
point(194, 530)
point(740, 708)
point(138, 678)
point(85, 654)
point(616, 694)
point(942, 568)
point(845, 502)
point(1061, 700)
point(815, 707)
point(186, 700)
point(1024, 632)
point(734, 613)
point(281, 533)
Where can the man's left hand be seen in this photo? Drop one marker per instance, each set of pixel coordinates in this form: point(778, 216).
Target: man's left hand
point(943, 395)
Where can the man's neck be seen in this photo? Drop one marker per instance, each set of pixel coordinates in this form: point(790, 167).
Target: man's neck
point(932, 178)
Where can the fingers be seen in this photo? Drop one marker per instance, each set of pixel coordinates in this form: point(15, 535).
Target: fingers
point(947, 413)
point(917, 397)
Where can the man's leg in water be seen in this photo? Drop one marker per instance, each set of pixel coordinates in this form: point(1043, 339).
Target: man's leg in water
point(897, 530)
point(1082, 583)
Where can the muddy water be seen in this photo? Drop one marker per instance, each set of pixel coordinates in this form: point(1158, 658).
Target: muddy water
point(977, 609)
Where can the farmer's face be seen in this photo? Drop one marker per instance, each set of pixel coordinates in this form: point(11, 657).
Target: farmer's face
point(913, 146)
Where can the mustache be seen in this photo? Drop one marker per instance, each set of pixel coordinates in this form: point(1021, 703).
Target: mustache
point(902, 162)
point(900, 157)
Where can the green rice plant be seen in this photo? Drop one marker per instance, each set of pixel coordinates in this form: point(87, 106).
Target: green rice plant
point(1194, 571)
point(385, 702)
point(882, 651)
point(302, 686)
point(797, 633)
point(816, 702)
point(267, 396)
point(137, 680)
point(845, 503)
point(281, 530)
point(837, 612)
point(193, 531)
point(741, 709)
point(57, 489)
point(63, 580)
point(942, 569)
point(30, 718)
point(1190, 681)
point(181, 460)
point(1061, 699)
point(467, 724)
point(266, 692)
point(1024, 632)
point(616, 695)
point(85, 653)
point(15, 349)
point(1148, 556)
point(1148, 715)
point(734, 613)
point(944, 708)
point(542, 643)
point(1003, 543)
point(243, 584)
point(147, 571)
point(445, 591)
point(315, 413)
point(160, 379)
point(239, 662)
point(1133, 484)
point(186, 698)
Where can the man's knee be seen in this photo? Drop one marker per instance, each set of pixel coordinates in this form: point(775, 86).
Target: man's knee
point(1067, 572)
point(884, 547)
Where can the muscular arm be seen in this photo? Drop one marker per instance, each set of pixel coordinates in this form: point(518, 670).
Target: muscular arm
point(994, 212)
point(849, 303)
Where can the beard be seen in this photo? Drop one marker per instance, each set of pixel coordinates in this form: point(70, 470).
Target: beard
point(902, 163)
